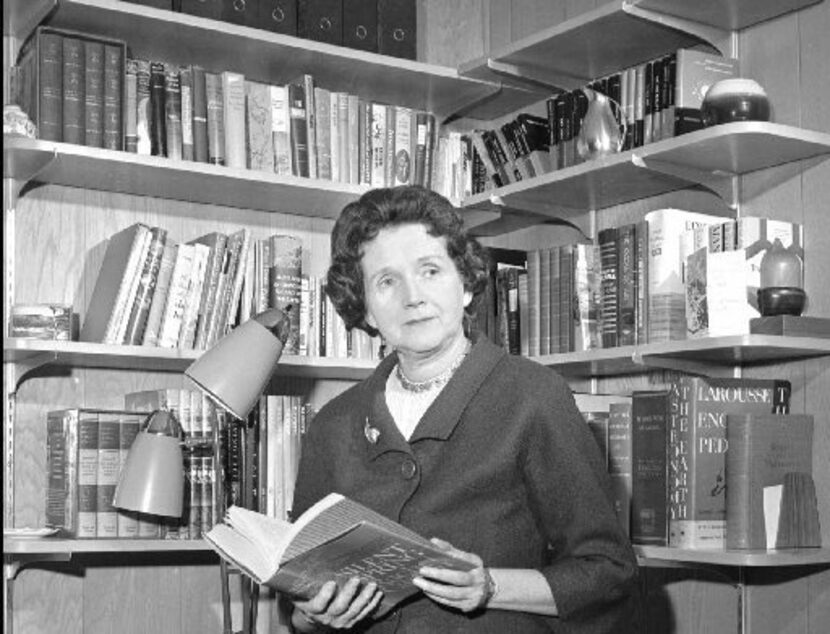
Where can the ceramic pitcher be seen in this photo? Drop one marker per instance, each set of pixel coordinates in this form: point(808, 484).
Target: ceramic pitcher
point(601, 132)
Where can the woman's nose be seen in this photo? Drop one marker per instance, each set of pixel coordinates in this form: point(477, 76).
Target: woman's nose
point(412, 291)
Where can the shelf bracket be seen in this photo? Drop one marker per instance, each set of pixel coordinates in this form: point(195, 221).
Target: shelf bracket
point(708, 33)
point(521, 77)
point(682, 365)
point(12, 565)
point(722, 184)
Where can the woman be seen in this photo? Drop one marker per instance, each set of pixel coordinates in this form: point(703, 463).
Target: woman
point(459, 441)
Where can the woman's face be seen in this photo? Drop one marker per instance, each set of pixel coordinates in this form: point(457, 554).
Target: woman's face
point(414, 293)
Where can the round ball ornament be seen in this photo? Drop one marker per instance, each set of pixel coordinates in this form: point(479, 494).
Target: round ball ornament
point(735, 99)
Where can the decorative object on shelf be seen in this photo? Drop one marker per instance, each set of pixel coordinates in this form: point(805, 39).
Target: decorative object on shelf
point(17, 123)
point(735, 99)
point(152, 480)
point(602, 131)
point(781, 291)
point(236, 370)
point(54, 322)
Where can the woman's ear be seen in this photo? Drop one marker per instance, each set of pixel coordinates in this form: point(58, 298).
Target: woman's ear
point(468, 297)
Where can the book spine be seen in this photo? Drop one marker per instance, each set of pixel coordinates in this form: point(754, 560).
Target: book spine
point(215, 118)
point(608, 241)
point(322, 115)
point(50, 88)
point(113, 97)
point(285, 283)
point(402, 154)
point(389, 146)
point(233, 96)
point(93, 93)
point(281, 130)
point(154, 317)
point(130, 106)
point(73, 90)
point(137, 324)
point(171, 322)
point(144, 108)
point(200, 116)
point(365, 142)
point(190, 317)
point(626, 286)
point(238, 279)
point(641, 282)
point(173, 112)
point(186, 88)
point(533, 295)
point(158, 132)
point(378, 174)
point(344, 149)
point(87, 474)
point(353, 138)
point(334, 135)
point(260, 155)
point(620, 461)
point(544, 302)
point(298, 129)
point(566, 298)
point(109, 463)
point(310, 123)
point(123, 300)
point(59, 487)
point(649, 480)
point(126, 521)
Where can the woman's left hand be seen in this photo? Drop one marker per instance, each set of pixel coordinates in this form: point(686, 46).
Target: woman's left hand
point(466, 591)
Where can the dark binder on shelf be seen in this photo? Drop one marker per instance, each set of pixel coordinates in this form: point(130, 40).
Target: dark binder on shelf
point(279, 16)
point(320, 20)
point(242, 12)
point(203, 8)
point(397, 28)
point(360, 25)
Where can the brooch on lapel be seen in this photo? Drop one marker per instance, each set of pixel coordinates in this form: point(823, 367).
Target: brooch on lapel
point(372, 433)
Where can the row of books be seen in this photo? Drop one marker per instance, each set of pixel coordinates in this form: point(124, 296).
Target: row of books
point(151, 290)
point(675, 275)
point(251, 463)
point(691, 465)
point(82, 89)
point(388, 27)
point(655, 100)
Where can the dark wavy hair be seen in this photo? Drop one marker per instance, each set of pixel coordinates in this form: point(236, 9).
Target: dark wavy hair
point(360, 222)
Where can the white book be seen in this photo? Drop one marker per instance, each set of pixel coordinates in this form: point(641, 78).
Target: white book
point(171, 321)
point(281, 130)
point(378, 141)
point(187, 333)
point(334, 134)
point(233, 96)
point(354, 139)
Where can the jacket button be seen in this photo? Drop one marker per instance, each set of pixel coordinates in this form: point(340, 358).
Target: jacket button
point(409, 469)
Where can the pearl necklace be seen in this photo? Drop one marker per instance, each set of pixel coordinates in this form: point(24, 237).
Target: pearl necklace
point(435, 382)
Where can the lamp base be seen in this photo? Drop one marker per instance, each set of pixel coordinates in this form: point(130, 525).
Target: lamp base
point(781, 300)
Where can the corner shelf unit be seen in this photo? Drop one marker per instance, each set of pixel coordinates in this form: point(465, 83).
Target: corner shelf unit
point(614, 36)
point(661, 556)
point(709, 157)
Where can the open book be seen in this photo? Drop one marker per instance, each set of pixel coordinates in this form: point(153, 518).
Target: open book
point(336, 539)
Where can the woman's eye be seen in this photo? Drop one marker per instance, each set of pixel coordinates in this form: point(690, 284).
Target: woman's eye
point(430, 271)
point(385, 282)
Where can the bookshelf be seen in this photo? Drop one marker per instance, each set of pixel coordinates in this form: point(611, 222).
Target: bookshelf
point(69, 207)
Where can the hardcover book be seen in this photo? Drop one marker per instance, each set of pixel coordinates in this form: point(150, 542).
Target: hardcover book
point(650, 412)
point(143, 108)
point(260, 155)
point(698, 449)
point(336, 539)
point(173, 112)
point(767, 452)
point(94, 94)
point(41, 82)
point(186, 87)
point(620, 460)
point(215, 109)
point(130, 105)
point(73, 90)
point(233, 107)
point(285, 278)
point(114, 68)
point(158, 118)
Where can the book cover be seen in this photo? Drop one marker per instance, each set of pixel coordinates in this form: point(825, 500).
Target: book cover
point(41, 82)
point(127, 521)
point(173, 112)
point(397, 28)
point(120, 257)
point(61, 471)
point(73, 90)
point(715, 294)
point(285, 282)
point(186, 89)
point(114, 59)
point(93, 93)
point(154, 317)
point(260, 155)
point(403, 165)
point(143, 108)
point(177, 294)
point(378, 136)
point(626, 285)
point(698, 448)
point(695, 71)
point(137, 321)
point(87, 473)
point(666, 290)
point(130, 106)
point(193, 300)
point(588, 307)
point(650, 418)
point(240, 266)
point(360, 25)
point(321, 20)
point(215, 102)
point(200, 122)
point(279, 16)
point(158, 110)
point(767, 451)
point(127, 293)
point(281, 130)
point(336, 538)
point(620, 460)
point(233, 107)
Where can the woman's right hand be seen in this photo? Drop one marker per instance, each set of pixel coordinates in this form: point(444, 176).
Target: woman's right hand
point(336, 610)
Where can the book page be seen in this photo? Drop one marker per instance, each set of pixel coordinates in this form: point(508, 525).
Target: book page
point(772, 511)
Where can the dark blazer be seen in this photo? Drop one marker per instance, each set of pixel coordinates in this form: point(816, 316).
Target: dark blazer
point(501, 465)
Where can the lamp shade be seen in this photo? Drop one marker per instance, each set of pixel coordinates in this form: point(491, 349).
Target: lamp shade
point(152, 480)
point(235, 371)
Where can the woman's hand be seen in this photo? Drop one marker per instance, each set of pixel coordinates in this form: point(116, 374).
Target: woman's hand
point(336, 610)
point(466, 591)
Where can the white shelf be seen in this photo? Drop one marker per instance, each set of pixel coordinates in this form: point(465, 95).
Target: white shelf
point(260, 55)
point(729, 14)
point(714, 352)
point(99, 355)
point(55, 546)
point(707, 157)
point(661, 556)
